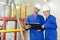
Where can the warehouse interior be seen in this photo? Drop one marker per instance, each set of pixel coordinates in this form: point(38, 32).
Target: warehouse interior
point(13, 14)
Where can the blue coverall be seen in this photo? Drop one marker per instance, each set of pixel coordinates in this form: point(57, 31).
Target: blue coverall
point(50, 28)
point(34, 34)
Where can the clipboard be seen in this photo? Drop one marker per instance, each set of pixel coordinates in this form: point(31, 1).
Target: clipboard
point(35, 26)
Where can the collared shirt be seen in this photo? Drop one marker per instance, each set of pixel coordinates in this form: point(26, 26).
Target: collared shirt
point(34, 34)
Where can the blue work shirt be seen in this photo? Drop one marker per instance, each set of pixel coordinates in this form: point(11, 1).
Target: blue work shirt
point(50, 28)
point(34, 34)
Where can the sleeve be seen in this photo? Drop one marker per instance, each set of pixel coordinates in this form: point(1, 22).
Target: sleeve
point(42, 21)
point(27, 20)
point(51, 24)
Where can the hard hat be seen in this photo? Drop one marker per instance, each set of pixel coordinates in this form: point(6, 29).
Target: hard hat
point(46, 7)
point(38, 6)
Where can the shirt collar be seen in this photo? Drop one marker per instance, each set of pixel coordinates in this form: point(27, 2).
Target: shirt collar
point(48, 16)
point(34, 16)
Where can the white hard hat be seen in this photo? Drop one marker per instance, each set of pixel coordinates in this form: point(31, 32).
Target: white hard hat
point(46, 7)
point(38, 6)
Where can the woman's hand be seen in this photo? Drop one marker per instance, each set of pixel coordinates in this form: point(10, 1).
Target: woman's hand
point(42, 26)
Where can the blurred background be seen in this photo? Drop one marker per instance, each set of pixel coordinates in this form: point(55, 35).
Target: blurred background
point(25, 8)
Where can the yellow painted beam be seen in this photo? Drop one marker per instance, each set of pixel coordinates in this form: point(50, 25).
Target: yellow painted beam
point(19, 10)
point(14, 30)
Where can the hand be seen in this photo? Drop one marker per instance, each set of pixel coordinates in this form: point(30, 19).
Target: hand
point(42, 26)
point(28, 26)
point(38, 30)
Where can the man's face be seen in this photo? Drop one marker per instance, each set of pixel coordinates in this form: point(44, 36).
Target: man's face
point(36, 10)
point(46, 13)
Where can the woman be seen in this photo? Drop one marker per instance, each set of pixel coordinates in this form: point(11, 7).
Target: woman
point(50, 25)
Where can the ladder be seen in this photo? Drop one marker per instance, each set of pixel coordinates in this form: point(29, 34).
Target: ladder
point(12, 2)
point(18, 21)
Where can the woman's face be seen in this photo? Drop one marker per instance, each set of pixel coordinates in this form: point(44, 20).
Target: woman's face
point(46, 13)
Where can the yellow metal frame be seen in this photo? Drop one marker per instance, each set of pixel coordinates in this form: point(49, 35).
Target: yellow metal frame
point(13, 30)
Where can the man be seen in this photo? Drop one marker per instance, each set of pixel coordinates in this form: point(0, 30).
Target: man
point(50, 25)
point(35, 18)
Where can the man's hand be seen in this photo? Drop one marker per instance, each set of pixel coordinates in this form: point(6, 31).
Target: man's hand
point(41, 27)
point(38, 30)
point(28, 26)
